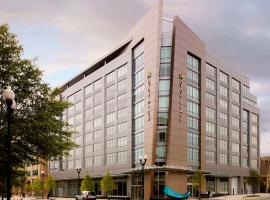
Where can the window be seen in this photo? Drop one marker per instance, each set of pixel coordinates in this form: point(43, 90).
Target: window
point(254, 152)
point(254, 164)
point(193, 63)
point(235, 161)
point(97, 98)
point(165, 54)
point(78, 107)
point(122, 71)
point(88, 89)
point(97, 123)
point(160, 152)
point(223, 144)
point(122, 157)
point(88, 114)
point(122, 128)
point(97, 147)
point(210, 142)
point(210, 156)
point(193, 77)
point(254, 129)
point(122, 114)
point(110, 105)
point(139, 124)
point(224, 117)
point(111, 118)
point(210, 113)
point(138, 108)
point(210, 128)
point(235, 122)
point(35, 172)
point(254, 140)
point(110, 91)
point(245, 115)
point(165, 70)
point(161, 135)
point(121, 142)
point(88, 102)
point(244, 162)
point(193, 108)
point(245, 127)
point(210, 84)
point(235, 135)
point(193, 155)
point(162, 119)
point(210, 70)
point(111, 144)
point(78, 118)
point(223, 159)
point(235, 97)
point(139, 78)
point(139, 93)
point(78, 152)
point(235, 148)
point(193, 139)
point(139, 138)
point(88, 149)
point(122, 85)
point(163, 102)
point(223, 91)
point(97, 160)
point(164, 85)
point(235, 84)
point(111, 131)
point(193, 123)
point(121, 100)
point(193, 93)
point(138, 154)
point(245, 138)
point(223, 131)
point(223, 104)
point(235, 109)
point(223, 77)
point(254, 118)
point(210, 98)
point(111, 77)
point(110, 158)
point(97, 134)
point(97, 85)
point(88, 138)
point(88, 162)
point(245, 150)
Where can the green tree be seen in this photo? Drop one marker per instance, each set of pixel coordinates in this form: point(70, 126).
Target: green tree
point(36, 186)
point(197, 180)
point(27, 188)
point(254, 180)
point(49, 184)
point(107, 184)
point(37, 130)
point(87, 184)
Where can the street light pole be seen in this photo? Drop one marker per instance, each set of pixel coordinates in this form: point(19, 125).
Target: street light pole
point(42, 182)
point(79, 171)
point(142, 162)
point(9, 96)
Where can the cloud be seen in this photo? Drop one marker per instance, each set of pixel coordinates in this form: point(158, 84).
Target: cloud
point(69, 35)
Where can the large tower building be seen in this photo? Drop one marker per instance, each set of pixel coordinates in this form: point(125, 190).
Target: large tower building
point(160, 94)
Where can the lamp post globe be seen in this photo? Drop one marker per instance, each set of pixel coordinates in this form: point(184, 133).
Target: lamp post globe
point(79, 171)
point(9, 97)
point(142, 162)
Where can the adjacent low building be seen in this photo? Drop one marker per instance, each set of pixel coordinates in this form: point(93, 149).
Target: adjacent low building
point(160, 94)
point(265, 172)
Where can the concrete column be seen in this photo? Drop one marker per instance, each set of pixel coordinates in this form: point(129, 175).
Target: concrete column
point(240, 185)
point(148, 185)
point(129, 183)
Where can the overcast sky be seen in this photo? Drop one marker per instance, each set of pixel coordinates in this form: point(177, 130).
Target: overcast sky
point(68, 35)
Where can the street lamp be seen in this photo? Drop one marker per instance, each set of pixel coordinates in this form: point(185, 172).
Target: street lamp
point(143, 162)
point(42, 182)
point(9, 97)
point(79, 171)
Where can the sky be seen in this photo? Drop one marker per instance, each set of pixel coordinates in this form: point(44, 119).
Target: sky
point(67, 36)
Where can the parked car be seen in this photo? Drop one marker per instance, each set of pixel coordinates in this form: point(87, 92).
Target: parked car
point(86, 195)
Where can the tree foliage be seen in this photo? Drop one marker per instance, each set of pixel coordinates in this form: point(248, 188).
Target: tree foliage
point(50, 183)
point(87, 184)
point(254, 180)
point(36, 186)
point(37, 130)
point(197, 181)
point(107, 184)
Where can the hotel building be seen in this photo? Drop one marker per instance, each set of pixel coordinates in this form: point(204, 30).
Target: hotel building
point(160, 94)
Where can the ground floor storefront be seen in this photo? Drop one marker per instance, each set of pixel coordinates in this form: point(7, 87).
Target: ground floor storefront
point(150, 184)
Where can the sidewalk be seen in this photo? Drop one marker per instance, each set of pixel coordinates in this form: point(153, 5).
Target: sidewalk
point(244, 197)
